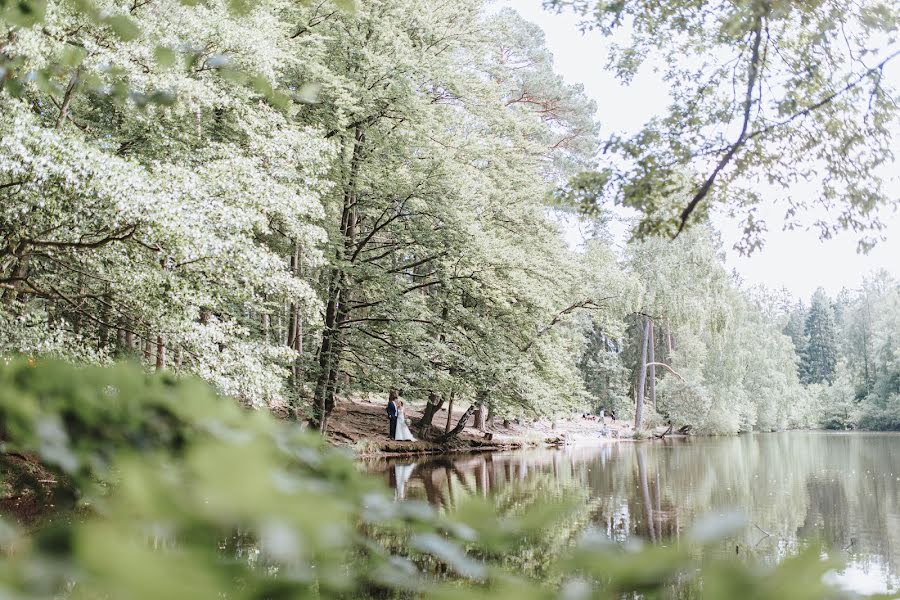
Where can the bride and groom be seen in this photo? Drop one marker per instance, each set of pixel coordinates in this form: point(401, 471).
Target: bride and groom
point(399, 430)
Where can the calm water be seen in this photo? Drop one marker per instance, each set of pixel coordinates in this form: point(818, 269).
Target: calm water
point(843, 489)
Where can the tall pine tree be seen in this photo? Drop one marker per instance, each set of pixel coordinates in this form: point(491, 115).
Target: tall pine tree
point(819, 358)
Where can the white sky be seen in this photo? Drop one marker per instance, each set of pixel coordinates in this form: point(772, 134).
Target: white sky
point(796, 260)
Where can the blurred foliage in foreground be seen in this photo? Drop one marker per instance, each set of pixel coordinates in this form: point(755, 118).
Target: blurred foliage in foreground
point(182, 494)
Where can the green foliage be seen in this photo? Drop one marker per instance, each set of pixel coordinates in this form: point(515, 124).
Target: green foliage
point(848, 349)
point(819, 356)
point(725, 366)
point(776, 93)
point(225, 189)
point(179, 196)
point(202, 499)
point(24, 23)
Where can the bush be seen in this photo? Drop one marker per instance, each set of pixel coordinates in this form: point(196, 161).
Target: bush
point(880, 415)
point(186, 495)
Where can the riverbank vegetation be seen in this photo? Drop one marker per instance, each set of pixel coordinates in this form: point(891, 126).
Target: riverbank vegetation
point(139, 475)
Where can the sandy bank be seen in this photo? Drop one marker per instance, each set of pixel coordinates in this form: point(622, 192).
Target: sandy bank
point(363, 425)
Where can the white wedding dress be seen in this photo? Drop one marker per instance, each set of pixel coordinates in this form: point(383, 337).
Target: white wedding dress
point(403, 433)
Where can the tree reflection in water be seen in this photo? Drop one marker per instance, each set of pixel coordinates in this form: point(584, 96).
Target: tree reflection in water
point(843, 489)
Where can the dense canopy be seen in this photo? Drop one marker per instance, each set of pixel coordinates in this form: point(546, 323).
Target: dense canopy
point(300, 202)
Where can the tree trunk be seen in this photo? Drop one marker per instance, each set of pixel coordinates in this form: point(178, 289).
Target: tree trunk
point(323, 403)
point(480, 421)
point(449, 412)
point(103, 330)
point(337, 308)
point(481, 411)
point(295, 325)
point(460, 425)
point(651, 359)
point(642, 378)
point(160, 353)
point(266, 325)
point(435, 402)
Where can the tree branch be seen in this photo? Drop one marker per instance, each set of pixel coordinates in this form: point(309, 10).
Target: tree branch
point(668, 368)
point(742, 137)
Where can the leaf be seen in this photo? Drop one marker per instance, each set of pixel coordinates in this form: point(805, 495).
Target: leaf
point(88, 9)
point(450, 553)
point(162, 98)
point(24, 13)
point(165, 57)
point(123, 27)
point(346, 5)
point(73, 56)
point(239, 7)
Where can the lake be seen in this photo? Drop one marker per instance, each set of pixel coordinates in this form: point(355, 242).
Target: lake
point(842, 489)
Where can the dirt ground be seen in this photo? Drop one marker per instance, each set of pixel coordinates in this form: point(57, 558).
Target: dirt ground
point(363, 425)
point(27, 489)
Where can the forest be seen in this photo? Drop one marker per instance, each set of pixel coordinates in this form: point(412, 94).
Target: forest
point(217, 211)
point(297, 203)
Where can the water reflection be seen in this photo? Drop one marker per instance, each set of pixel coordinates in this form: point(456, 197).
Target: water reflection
point(795, 487)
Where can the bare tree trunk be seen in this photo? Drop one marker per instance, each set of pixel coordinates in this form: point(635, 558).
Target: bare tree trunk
point(327, 357)
point(642, 378)
point(148, 350)
point(651, 359)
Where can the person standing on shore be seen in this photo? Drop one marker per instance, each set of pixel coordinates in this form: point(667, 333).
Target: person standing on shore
point(392, 413)
point(401, 429)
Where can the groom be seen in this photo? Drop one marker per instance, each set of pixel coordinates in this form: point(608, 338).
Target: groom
point(392, 412)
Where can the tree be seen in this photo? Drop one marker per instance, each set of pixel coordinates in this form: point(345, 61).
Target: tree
point(131, 225)
point(382, 226)
point(731, 368)
point(776, 91)
point(795, 328)
point(445, 275)
point(819, 359)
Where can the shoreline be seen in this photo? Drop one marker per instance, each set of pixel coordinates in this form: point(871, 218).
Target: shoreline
point(361, 425)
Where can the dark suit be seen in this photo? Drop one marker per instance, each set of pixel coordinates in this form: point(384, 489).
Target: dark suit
point(392, 417)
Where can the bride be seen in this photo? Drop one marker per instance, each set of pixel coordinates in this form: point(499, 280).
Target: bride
point(403, 432)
